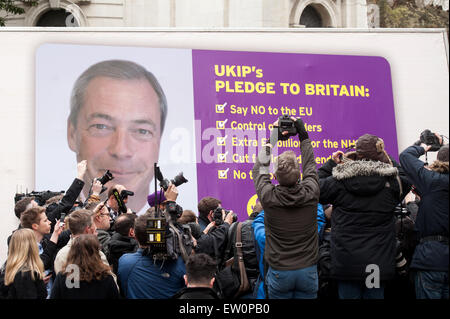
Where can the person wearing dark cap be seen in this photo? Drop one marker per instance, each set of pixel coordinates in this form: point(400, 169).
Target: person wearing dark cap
point(364, 186)
point(430, 259)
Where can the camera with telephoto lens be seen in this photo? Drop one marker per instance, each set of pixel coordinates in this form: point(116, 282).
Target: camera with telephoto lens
point(105, 179)
point(39, 197)
point(217, 215)
point(120, 198)
point(164, 183)
point(429, 138)
point(285, 123)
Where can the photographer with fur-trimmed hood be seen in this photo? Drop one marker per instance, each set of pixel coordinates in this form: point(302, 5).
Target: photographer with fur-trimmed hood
point(364, 187)
point(430, 258)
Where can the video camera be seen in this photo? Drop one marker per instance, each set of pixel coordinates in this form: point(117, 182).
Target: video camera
point(285, 123)
point(429, 138)
point(164, 183)
point(217, 215)
point(120, 198)
point(39, 197)
point(167, 239)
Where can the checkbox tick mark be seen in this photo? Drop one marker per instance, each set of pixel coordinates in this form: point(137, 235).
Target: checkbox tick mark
point(222, 157)
point(221, 124)
point(223, 173)
point(221, 140)
point(220, 108)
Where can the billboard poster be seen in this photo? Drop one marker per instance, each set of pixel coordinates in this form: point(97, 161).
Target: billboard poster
point(221, 106)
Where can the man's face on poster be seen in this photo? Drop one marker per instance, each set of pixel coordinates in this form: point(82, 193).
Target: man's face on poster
point(118, 128)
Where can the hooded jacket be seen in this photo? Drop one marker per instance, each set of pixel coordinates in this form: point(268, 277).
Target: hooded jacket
point(363, 194)
point(432, 217)
point(290, 214)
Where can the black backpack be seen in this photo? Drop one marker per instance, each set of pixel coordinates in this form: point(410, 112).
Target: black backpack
point(239, 273)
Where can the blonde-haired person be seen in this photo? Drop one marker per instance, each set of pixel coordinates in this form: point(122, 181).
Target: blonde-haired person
point(24, 271)
point(84, 275)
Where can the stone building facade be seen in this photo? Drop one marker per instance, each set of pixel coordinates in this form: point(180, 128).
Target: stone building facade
point(194, 13)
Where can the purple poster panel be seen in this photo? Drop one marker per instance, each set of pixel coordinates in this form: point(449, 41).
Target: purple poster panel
point(239, 95)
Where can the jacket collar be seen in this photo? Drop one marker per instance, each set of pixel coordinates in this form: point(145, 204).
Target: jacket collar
point(350, 169)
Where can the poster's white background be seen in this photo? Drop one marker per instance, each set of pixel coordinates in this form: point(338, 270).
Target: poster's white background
point(418, 60)
point(57, 68)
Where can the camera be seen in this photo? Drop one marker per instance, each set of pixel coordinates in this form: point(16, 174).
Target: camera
point(164, 183)
point(217, 215)
point(39, 197)
point(105, 179)
point(120, 198)
point(429, 138)
point(285, 123)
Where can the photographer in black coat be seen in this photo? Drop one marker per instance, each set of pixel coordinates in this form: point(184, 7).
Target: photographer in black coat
point(364, 187)
point(63, 207)
point(122, 240)
point(430, 258)
point(213, 240)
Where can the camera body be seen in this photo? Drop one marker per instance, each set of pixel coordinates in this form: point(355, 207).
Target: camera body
point(217, 215)
point(285, 123)
point(164, 182)
point(120, 198)
point(177, 181)
point(105, 179)
point(39, 197)
point(429, 138)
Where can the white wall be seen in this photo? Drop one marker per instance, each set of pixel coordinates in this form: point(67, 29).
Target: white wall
point(418, 59)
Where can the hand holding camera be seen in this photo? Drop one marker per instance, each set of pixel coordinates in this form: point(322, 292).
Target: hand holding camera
point(171, 193)
point(431, 142)
point(221, 215)
point(97, 187)
point(337, 157)
point(290, 126)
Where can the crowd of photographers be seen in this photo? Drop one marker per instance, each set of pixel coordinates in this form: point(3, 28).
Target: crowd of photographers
point(361, 227)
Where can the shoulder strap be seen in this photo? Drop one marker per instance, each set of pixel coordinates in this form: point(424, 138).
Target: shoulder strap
point(180, 242)
point(244, 280)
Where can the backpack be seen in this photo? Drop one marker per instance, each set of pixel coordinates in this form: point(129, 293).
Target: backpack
point(327, 285)
point(239, 273)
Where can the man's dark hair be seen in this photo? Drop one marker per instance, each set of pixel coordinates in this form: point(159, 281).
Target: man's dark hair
point(200, 269)
point(207, 204)
point(288, 169)
point(442, 154)
point(31, 216)
point(188, 216)
point(124, 223)
point(22, 205)
point(140, 228)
